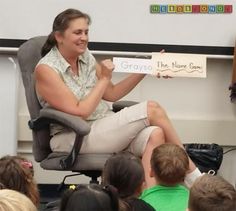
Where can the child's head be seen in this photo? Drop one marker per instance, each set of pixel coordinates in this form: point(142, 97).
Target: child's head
point(125, 172)
point(169, 164)
point(11, 200)
point(90, 198)
point(210, 193)
point(16, 173)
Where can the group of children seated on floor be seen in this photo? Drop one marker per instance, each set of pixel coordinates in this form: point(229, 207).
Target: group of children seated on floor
point(123, 186)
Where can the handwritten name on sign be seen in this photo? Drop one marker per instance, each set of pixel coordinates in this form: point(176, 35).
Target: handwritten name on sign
point(175, 65)
point(179, 65)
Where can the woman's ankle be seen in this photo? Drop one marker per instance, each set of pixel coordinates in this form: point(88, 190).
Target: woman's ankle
point(191, 177)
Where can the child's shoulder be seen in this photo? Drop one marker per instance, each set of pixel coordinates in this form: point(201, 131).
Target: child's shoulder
point(161, 188)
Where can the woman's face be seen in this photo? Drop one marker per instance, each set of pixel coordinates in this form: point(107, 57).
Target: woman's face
point(75, 37)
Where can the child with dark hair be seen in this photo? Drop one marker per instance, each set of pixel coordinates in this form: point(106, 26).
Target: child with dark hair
point(169, 165)
point(16, 173)
point(212, 193)
point(125, 172)
point(92, 197)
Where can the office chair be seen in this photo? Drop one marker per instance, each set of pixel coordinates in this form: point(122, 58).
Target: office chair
point(40, 118)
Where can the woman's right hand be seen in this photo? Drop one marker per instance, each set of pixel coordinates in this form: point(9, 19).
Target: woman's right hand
point(107, 67)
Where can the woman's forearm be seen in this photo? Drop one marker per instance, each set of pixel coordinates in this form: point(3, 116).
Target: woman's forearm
point(122, 88)
point(91, 101)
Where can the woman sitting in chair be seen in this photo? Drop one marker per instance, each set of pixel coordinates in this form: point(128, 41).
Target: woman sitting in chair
point(69, 79)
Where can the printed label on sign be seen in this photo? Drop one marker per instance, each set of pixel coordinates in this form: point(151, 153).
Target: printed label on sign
point(132, 65)
point(179, 65)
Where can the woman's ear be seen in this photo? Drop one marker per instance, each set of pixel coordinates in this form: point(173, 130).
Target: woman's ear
point(58, 37)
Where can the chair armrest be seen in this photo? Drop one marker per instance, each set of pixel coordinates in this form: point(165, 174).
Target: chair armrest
point(76, 123)
point(50, 115)
point(117, 106)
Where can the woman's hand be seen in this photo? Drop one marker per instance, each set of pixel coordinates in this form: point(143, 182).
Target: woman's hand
point(107, 67)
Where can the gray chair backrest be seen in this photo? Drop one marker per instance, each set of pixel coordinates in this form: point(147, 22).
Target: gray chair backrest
point(28, 55)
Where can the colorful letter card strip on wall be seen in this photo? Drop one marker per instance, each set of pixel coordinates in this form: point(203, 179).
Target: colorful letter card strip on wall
point(191, 9)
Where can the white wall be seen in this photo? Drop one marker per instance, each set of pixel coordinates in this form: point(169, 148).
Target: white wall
point(9, 78)
point(199, 108)
point(122, 21)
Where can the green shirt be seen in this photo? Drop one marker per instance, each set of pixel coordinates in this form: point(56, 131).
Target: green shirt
point(163, 198)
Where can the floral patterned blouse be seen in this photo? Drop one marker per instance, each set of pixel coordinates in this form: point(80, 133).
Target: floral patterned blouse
point(80, 85)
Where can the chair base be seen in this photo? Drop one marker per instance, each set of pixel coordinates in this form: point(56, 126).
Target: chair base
point(93, 175)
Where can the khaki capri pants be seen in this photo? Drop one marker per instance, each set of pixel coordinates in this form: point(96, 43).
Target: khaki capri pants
point(128, 129)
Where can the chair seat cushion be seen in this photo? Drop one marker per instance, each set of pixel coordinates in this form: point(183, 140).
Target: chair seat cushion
point(85, 161)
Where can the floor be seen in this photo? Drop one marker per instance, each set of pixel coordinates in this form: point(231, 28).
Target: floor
point(49, 195)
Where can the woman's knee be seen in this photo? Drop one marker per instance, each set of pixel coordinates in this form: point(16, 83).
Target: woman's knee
point(154, 110)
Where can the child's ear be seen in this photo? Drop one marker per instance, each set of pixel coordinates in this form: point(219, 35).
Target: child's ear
point(151, 173)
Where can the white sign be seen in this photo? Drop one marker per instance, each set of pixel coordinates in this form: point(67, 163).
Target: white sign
point(133, 65)
point(179, 65)
point(164, 64)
